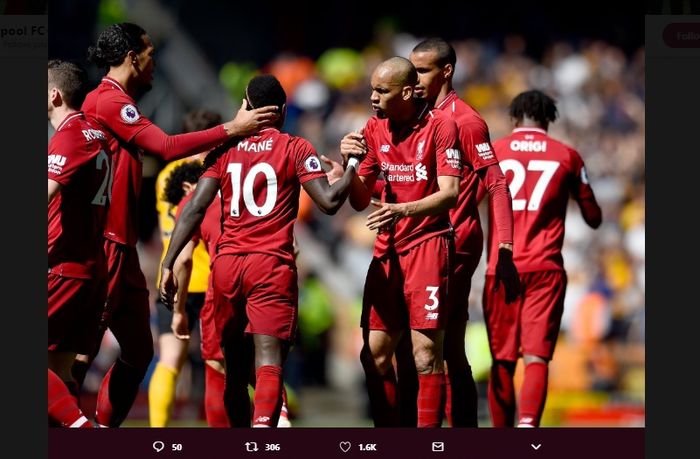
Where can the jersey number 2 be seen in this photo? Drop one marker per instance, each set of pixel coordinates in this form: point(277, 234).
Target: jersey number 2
point(546, 167)
point(104, 194)
point(235, 170)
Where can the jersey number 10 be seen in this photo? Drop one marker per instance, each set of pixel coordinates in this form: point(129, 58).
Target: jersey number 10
point(235, 169)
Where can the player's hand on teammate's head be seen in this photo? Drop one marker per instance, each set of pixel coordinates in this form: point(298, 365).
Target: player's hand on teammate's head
point(251, 121)
point(168, 288)
point(335, 169)
point(507, 273)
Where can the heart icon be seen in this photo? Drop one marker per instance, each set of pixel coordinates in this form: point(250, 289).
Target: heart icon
point(344, 446)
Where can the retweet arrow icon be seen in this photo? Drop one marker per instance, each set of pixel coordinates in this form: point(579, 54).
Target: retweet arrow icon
point(536, 447)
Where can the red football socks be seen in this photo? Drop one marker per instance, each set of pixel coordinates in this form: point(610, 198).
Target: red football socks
point(63, 407)
point(117, 393)
point(501, 394)
point(448, 397)
point(214, 384)
point(533, 394)
point(268, 396)
point(431, 399)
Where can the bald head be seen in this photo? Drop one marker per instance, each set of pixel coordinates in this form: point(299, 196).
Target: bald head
point(398, 71)
point(393, 83)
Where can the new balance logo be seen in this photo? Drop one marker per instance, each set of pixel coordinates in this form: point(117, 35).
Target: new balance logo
point(421, 172)
point(384, 149)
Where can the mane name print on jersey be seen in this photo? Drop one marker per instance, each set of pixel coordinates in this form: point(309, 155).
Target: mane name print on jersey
point(254, 147)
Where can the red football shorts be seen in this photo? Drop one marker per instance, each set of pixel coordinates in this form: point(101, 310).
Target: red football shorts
point(530, 325)
point(464, 266)
point(409, 290)
point(75, 308)
point(207, 329)
point(258, 289)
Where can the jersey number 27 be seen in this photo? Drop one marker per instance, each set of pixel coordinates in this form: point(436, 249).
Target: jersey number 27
point(547, 169)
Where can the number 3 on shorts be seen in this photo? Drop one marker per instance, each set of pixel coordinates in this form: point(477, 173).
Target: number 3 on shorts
point(432, 296)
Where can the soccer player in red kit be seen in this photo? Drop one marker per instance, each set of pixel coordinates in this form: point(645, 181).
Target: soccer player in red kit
point(127, 51)
point(179, 189)
point(542, 173)
point(435, 59)
point(79, 190)
point(417, 150)
point(254, 273)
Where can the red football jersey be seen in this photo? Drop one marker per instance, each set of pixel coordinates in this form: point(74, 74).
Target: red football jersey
point(80, 160)
point(210, 229)
point(411, 163)
point(111, 108)
point(477, 153)
point(260, 179)
point(541, 173)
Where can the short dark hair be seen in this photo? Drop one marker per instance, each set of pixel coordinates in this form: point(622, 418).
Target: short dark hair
point(535, 105)
point(198, 120)
point(115, 42)
point(188, 171)
point(263, 90)
point(445, 52)
point(71, 80)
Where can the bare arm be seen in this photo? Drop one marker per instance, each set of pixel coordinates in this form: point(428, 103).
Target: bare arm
point(182, 270)
point(436, 203)
point(328, 197)
point(335, 170)
point(191, 217)
point(54, 188)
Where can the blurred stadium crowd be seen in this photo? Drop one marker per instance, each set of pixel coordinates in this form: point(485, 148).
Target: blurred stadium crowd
point(597, 375)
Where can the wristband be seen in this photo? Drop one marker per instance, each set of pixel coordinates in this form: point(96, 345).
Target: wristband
point(353, 162)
